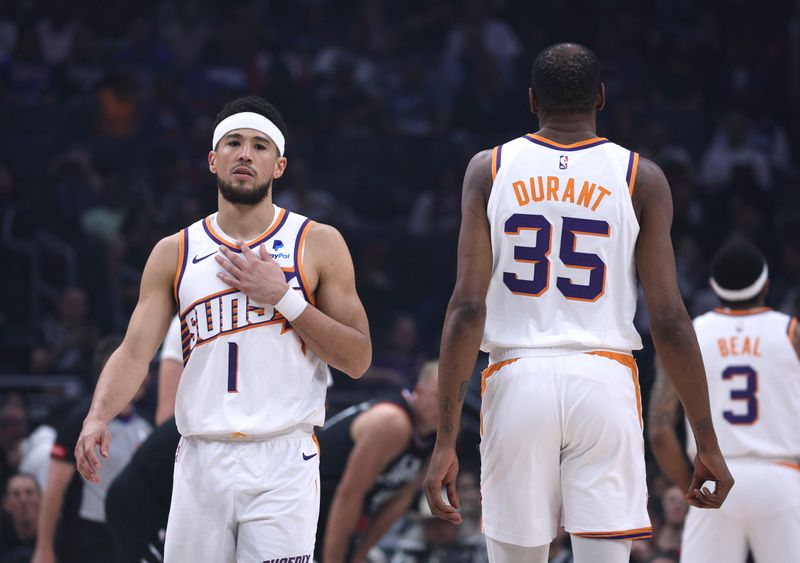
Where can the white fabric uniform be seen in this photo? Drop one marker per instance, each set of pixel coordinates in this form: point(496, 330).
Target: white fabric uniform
point(171, 348)
point(754, 389)
point(562, 437)
point(246, 473)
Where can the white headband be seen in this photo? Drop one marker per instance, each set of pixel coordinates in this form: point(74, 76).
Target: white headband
point(249, 120)
point(745, 293)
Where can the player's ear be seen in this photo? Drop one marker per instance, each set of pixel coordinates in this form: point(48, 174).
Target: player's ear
point(600, 102)
point(533, 102)
point(212, 162)
point(280, 167)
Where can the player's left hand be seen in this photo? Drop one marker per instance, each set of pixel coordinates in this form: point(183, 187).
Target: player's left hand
point(256, 275)
point(442, 472)
point(709, 466)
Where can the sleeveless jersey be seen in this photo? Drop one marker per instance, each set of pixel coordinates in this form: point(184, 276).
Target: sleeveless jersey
point(246, 372)
point(563, 233)
point(753, 377)
point(336, 443)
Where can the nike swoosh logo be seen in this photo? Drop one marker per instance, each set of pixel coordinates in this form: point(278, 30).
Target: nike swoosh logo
point(195, 260)
point(307, 457)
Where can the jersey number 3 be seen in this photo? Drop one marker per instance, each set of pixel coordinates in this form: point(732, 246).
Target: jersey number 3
point(538, 255)
point(747, 394)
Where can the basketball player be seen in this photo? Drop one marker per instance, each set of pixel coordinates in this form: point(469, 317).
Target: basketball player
point(374, 457)
point(751, 359)
point(555, 226)
point(266, 298)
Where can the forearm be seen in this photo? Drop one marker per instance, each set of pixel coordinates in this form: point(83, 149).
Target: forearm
point(340, 346)
point(121, 378)
point(678, 350)
point(461, 339)
point(52, 500)
point(669, 455)
point(384, 520)
point(342, 520)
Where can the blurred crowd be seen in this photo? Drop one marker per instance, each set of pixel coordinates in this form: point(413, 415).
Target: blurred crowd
point(107, 112)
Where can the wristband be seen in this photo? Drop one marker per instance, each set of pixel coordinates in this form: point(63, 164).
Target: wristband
point(291, 305)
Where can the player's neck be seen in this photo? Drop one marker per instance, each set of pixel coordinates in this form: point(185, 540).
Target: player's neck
point(567, 129)
point(245, 222)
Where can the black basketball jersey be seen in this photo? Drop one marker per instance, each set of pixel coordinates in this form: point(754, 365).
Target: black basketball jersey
point(336, 444)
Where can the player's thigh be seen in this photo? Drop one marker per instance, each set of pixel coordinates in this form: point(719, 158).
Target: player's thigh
point(713, 535)
point(201, 525)
point(773, 524)
point(603, 476)
point(279, 521)
point(520, 448)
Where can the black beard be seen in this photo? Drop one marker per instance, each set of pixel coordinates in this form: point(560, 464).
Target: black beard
point(242, 195)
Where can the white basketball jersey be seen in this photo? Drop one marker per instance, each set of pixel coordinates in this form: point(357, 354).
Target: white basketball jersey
point(246, 372)
point(753, 382)
point(563, 234)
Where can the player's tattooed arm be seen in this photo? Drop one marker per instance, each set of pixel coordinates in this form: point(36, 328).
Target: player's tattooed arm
point(794, 336)
point(672, 331)
point(664, 414)
point(462, 333)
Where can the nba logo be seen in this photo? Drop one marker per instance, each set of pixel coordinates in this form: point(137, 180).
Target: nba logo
point(562, 162)
point(277, 245)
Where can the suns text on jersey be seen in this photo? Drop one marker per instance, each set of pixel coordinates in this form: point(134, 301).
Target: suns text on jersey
point(224, 313)
point(552, 188)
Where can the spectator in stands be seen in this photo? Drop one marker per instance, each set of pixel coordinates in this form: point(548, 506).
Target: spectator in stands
point(20, 517)
point(668, 540)
point(72, 518)
point(66, 342)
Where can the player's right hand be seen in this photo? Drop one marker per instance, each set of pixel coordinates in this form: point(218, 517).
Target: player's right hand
point(95, 433)
point(709, 466)
point(442, 472)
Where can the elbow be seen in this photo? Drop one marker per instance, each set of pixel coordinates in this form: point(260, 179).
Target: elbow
point(359, 362)
point(468, 310)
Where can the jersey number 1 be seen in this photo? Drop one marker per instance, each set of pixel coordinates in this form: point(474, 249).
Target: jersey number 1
point(233, 367)
point(538, 256)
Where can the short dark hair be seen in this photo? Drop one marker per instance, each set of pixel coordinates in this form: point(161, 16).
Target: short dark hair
point(255, 104)
point(737, 265)
point(565, 77)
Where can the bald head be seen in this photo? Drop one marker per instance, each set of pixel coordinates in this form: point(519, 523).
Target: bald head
point(565, 79)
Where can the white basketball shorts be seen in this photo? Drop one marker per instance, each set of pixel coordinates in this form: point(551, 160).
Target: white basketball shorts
point(562, 444)
point(244, 501)
point(762, 513)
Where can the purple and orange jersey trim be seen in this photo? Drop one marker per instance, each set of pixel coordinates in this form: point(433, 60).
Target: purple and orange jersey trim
point(633, 167)
point(222, 241)
point(183, 247)
point(496, 155)
point(299, 247)
point(629, 362)
point(742, 312)
point(580, 145)
point(635, 534)
point(791, 328)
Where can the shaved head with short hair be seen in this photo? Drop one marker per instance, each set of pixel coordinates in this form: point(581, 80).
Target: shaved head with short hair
point(565, 78)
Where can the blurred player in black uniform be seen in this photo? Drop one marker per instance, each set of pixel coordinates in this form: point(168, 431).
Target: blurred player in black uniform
point(372, 463)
